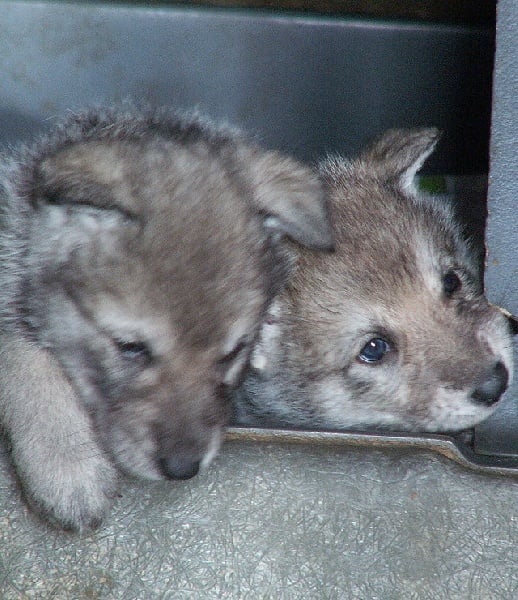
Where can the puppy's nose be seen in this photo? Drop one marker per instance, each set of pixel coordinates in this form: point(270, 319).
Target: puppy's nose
point(489, 390)
point(178, 466)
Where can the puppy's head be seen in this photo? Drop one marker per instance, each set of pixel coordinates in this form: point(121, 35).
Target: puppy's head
point(152, 254)
point(393, 328)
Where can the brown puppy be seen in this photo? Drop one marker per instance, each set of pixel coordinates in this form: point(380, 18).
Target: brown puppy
point(390, 330)
point(138, 253)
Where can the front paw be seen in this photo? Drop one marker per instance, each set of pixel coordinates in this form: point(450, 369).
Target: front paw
point(75, 495)
point(65, 475)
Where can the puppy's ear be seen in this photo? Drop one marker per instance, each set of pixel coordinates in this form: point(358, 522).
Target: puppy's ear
point(400, 153)
point(76, 211)
point(82, 176)
point(292, 198)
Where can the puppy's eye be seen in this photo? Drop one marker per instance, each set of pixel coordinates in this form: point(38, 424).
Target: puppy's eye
point(451, 283)
point(374, 351)
point(135, 351)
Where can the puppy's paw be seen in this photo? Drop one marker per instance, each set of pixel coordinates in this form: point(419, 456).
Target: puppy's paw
point(65, 474)
point(73, 495)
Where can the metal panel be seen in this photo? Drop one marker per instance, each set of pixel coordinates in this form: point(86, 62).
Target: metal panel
point(499, 435)
point(305, 85)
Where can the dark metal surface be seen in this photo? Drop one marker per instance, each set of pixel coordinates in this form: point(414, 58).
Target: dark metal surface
point(305, 85)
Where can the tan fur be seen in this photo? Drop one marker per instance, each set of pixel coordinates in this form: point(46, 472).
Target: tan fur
point(139, 252)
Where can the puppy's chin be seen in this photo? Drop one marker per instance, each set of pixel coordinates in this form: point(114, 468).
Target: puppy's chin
point(454, 411)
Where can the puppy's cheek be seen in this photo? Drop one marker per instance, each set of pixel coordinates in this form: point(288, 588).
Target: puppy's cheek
point(267, 345)
point(258, 359)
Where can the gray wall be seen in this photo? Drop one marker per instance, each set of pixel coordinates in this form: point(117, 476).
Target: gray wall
point(501, 432)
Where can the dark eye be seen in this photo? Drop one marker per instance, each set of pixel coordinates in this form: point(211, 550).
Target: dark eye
point(374, 350)
point(451, 283)
point(135, 351)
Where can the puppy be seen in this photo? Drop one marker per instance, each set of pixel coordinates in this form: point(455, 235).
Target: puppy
point(391, 330)
point(139, 252)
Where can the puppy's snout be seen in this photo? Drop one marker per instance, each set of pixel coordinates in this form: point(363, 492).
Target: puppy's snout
point(178, 466)
point(491, 388)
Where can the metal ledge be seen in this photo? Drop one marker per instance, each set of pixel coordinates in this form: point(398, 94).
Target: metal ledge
point(453, 448)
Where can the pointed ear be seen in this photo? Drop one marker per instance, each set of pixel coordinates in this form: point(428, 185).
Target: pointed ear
point(292, 198)
point(400, 153)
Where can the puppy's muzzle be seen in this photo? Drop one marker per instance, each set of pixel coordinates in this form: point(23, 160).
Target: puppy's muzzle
point(491, 387)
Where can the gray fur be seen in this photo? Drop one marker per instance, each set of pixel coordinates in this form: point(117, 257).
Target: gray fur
point(139, 251)
point(450, 355)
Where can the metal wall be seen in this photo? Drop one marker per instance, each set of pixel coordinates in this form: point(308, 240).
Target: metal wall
point(500, 433)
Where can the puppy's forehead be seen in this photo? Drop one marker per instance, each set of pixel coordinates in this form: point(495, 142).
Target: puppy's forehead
point(196, 256)
point(387, 246)
point(204, 252)
point(206, 299)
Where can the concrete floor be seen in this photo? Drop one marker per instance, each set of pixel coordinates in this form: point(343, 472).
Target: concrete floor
point(281, 521)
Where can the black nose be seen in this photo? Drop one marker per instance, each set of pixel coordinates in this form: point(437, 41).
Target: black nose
point(178, 467)
point(489, 390)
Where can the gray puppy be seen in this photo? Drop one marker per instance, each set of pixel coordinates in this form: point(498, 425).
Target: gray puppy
point(392, 329)
point(138, 253)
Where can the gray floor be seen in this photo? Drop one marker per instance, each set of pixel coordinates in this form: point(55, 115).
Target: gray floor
point(280, 521)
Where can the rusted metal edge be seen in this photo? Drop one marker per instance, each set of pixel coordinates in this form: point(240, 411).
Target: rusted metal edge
point(444, 445)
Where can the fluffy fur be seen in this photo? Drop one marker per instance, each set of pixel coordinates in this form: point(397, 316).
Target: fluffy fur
point(391, 330)
point(138, 251)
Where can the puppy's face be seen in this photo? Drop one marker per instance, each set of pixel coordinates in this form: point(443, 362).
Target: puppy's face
point(412, 347)
point(392, 329)
point(152, 263)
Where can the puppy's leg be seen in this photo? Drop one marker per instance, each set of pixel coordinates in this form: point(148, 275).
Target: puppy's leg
point(65, 474)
